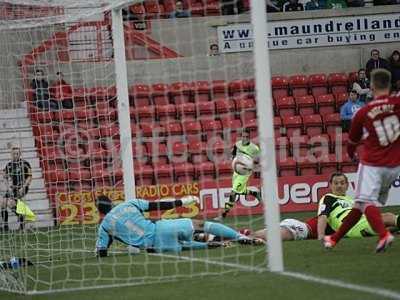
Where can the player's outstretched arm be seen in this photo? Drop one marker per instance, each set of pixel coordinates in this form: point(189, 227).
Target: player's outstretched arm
point(322, 223)
point(165, 205)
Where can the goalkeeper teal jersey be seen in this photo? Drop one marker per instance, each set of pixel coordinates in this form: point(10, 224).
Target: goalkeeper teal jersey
point(126, 223)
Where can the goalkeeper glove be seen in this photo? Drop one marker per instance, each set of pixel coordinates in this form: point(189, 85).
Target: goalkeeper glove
point(189, 200)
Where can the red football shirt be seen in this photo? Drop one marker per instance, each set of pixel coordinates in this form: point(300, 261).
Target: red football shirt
point(377, 125)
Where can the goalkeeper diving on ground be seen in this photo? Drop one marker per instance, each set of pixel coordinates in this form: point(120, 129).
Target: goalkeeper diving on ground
point(127, 224)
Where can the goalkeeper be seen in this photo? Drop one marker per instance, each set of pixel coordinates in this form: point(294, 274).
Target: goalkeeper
point(127, 224)
point(239, 182)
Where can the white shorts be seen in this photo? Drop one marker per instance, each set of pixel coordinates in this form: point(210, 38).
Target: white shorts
point(373, 183)
point(298, 229)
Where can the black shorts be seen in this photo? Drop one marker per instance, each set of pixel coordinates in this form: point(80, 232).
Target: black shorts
point(14, 194)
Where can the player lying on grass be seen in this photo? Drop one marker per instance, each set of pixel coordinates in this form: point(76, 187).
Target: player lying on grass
point(335, 206)
point(127, 224)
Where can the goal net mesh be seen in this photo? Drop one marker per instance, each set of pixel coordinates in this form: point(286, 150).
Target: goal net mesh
point(188, 103)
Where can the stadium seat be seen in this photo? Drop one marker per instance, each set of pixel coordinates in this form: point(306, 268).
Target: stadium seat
point(166, 112)
point(224, 107)
point(138, 10)
point(282, 146)
point(252, 125)
point(325, 104)
point(169, 6)
point(197, 8)
point(287, 167)
point(140, 94)
point(180, 92)
point(318, 84)
point(353, 76)
point(312, 124)
point(173, 128)
point(211, 128)
point(205, 109)
point(286, 106)
point(338, 140)
point(187, 111)
point(320, 144)
point(184, 172)
point(159, 94)
point(164, 173)
point(305, 105)
point(223, 169)
point(280, 86)
point(292, 124)
point(144, 174)
point(140, 153)
point(108, 114)
point(109, 130)
point(178, 151)
point(197, 151)
point(345, 163)
point(299, 85)
point(331, 122)
point(219, 89)
point(95, 150)
point(143, 113)
point(51, 153)
point(308, 166)
point(328, 164)
point(241, 87)
point(341, 98)
point(213, 8)
point(78, 172)
point(299, 145)
point(191, 127)
point(205, 171)
point(153, 9)
point(338, 83)
point(201, 91)
point(158, 152)
point(246, 107)
point(231, 129)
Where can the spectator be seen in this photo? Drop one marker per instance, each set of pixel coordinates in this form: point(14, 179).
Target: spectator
point(394, 61)
point(376, 62)
point(362, 86)
point(348, 109)
point(293, 5)
point(41, 93)
point(335, 4)
point(214, 50)
point(62, 91)
point(180, 12)
point(315, 4)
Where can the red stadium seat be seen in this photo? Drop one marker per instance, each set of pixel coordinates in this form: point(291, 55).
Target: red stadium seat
point(240, 87)
point(205, 109)
point(305, 105)
point(173, 128)
point(159, 153)
point(353, 76)
point(338, 140)
point(313, 124)
point(159, 93)
point(178, 151)
point(286, 106)
point(166, 112)
point(138, 9)
point(345, 163)
point(320, 144)
point(211, 128)
point(144, 174)
point(280, 86)
point(308, 166)
point(278, 126)
point(224, 106)
point(341, 98)
point(219, 89)
point(169, 6)
point(325, 104)
point(328, 164)
point(246, 107)
point(299, 145)
point(197, 8)
point(213, 8)
point(298, 85)
point(318, 84)
point(184, 172)
point(109, 130)
point(77, 172)
point(332, 122)
point(287, 167)
point(191, 127)
point(187, 111)
point(144, 113)
point(292, 124)
point(197, 151)
point(338, 82)
point(201, 90)
point(180, 92)
point(140, 94)
point(205, 170)
point(153, 9)
point(282, 146)
point(231, 128)
point(223, 169)
point(163, 173)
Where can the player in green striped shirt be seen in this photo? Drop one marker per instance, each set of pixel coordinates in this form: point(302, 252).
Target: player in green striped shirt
point(239, 182)
point(335, 206)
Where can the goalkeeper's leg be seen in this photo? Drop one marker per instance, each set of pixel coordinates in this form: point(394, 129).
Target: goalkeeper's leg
point(4, 215)
point(239, 187)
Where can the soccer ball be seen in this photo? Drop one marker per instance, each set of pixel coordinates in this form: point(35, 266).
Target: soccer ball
point(243, 164)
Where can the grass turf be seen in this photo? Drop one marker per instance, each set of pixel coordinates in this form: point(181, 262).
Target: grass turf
point(353, 261)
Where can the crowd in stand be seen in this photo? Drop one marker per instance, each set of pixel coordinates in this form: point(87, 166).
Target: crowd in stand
point(361, 93)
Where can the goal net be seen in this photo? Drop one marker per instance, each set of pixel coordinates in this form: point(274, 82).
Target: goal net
point(188, 103)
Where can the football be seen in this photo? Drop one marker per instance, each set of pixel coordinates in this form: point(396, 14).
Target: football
point(243, 164)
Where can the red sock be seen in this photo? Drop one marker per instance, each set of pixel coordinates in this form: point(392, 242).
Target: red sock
point(348, 222)
point(374, 218)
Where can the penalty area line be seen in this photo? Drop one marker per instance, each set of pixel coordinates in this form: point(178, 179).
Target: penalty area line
point(301, 276)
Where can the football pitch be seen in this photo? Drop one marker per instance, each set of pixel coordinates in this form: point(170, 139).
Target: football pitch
point(350, 271)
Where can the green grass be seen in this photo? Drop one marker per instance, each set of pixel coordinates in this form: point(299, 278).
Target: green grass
point(353, 261)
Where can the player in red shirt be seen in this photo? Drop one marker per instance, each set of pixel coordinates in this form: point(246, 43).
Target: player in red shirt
point(377, 125)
